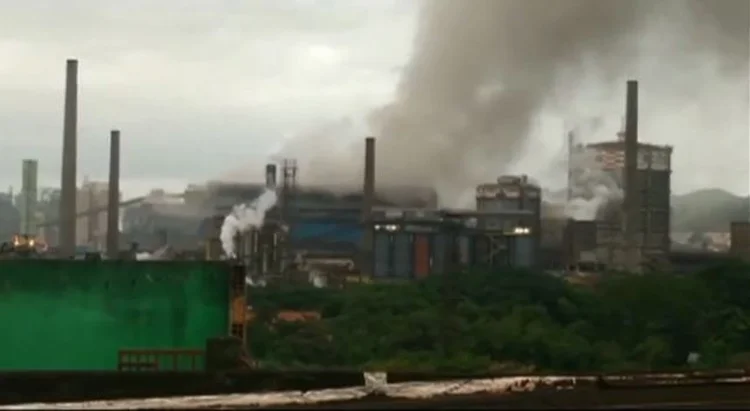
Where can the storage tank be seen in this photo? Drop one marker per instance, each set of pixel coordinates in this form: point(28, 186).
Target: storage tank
point(421, 243)
point(409, 243)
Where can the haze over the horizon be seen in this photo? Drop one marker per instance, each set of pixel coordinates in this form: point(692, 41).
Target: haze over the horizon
point(203, 89)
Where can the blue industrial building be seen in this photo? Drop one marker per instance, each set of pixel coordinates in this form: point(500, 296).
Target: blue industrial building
point(409, 238)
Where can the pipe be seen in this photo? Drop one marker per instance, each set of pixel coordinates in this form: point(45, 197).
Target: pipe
point(113, 196)
point(271, 176)
point(631, 201)
point(68, 193)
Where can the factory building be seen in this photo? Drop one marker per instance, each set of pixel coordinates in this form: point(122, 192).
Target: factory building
point(598, 169)
point(49, 208)
point(390, 232)
point(509, 193)
point(161, 218)
point(407, 242)
point(508, 197)
point(740, 240)
point(312, 224)
point(419, 243)
point(324, 228)
point(91, 230)
point(10, 218)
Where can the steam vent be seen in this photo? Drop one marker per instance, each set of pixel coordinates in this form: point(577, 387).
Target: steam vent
point(600, 167)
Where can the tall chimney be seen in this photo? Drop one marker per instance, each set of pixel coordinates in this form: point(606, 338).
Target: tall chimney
point(368, 199)
point(69, 160)
point(29, 180)
point(369, 183)
point(113, 194)
point(631, 203)
point(271, 176)
point(571, 151)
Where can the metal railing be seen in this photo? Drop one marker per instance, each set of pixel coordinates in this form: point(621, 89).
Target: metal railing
point(160, 359)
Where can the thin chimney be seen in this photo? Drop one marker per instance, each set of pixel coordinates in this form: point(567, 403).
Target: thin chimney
point(368, 199)
point(369, 183)
point(68, 190)
point(631, 203)
point(113, 193)
point(571, 166)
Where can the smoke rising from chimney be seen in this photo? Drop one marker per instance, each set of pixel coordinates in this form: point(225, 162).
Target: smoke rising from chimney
point(244, 217)
point(483, 70)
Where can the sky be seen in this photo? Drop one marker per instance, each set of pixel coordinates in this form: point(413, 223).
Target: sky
point(202, 89)
point(198, 88)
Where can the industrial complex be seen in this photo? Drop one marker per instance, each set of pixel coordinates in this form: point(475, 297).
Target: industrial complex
point(618, 207)
point(186, 305)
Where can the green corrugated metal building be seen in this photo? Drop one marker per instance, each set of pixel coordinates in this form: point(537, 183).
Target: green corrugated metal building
point(77, 315)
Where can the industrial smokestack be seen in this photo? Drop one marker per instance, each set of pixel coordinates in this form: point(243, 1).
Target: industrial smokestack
point(29, 181)
point(631, 203)
point(113, 193)
point(67, 237)
point(271, 176)
point(369, 183)
point(368, 198)
point(571, 148)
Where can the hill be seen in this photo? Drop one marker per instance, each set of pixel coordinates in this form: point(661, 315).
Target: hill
point(705, 210)
point(708, 210)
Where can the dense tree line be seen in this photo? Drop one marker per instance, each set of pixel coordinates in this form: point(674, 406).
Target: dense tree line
point(512, 321)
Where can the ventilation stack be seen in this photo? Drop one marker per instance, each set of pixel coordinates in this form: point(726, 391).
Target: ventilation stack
point(68, 193)
point(113, 196)
point(631, 203)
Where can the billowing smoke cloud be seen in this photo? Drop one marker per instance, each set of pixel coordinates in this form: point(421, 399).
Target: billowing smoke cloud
point(483, 70)
point(324, 159)
point(593, 190)
point(244, 217)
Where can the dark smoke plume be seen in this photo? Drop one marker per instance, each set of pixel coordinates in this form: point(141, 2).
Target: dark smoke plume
point(482, 70)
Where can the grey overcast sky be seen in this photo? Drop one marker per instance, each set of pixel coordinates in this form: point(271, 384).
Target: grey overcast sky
point(198, 87)
point(202, 88)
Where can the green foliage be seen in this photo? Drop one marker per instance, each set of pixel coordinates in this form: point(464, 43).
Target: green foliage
point(512, 321)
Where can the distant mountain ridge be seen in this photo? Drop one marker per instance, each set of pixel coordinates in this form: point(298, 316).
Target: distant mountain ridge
point(708, 210)
point(705, 210)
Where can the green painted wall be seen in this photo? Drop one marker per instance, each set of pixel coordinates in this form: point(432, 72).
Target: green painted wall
point(76, 315)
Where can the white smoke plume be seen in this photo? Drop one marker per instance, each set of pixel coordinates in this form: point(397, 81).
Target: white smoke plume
point(592, 190)
point(244, 217)
point(483, 71)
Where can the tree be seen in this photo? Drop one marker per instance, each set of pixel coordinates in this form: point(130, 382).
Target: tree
point(514, 319)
